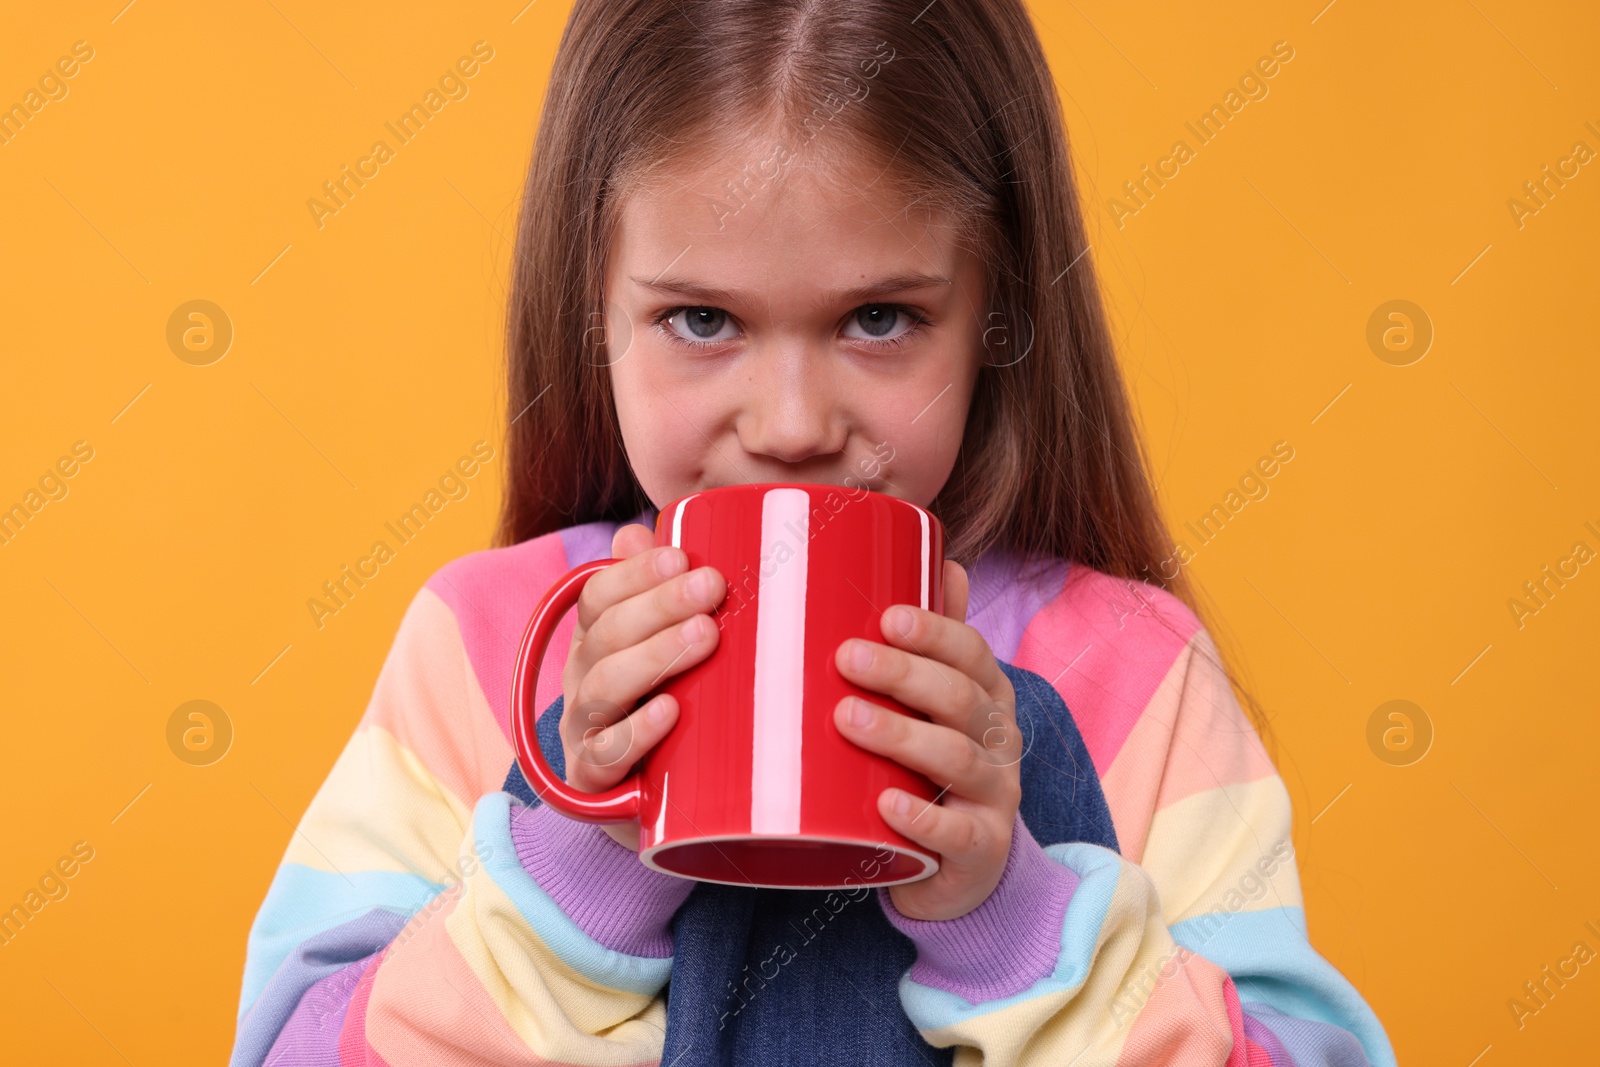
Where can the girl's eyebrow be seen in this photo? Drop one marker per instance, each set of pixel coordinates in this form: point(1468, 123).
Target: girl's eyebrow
point(711, 295)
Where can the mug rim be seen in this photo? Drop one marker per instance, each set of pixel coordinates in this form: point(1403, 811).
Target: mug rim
point(808, 486)
point(929, 860)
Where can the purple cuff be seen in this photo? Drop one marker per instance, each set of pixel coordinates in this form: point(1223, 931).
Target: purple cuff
point(1005, 944)
point(601, 886)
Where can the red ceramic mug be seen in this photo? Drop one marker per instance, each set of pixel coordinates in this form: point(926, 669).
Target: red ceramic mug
point(754, 785)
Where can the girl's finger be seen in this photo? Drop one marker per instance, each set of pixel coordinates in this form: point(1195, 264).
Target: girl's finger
point(938, 690)
point(938, 637)
point(635, 619)
point(631, 539)
point(960, 835)
point(956, 588)
point(947, 757)
point(633, 575)
point(616, 682)
point(602, 756)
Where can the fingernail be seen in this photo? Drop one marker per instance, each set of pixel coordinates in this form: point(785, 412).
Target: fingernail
point(658, 710)
point(900, 619)
point(690, 630)
point(861, 713)
point(700, 585)
point(669, 563)
point(901, 803)
point(860, 655)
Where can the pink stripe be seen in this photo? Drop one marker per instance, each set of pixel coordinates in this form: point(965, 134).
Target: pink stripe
point(466, 754)
point(1220, 745)
point(1108, 643)
point(493, 592)
point(354, 1051)
point(433, 1007)
point(779, 665)
point(1185, 1017)
point(1246, 1053)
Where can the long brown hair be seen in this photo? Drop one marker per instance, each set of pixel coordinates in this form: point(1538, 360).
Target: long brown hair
point(957, 100)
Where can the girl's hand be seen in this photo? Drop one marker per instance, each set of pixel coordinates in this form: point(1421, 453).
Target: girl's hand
point(638, 622)
point(971, 749)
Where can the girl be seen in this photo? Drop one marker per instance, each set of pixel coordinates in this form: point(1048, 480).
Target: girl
point(835, 242)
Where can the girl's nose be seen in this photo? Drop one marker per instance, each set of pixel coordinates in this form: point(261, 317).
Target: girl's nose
point(791, 409)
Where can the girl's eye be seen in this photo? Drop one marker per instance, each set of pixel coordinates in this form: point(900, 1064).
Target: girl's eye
point(879, 322)
point(701, 325)
point(885, 324)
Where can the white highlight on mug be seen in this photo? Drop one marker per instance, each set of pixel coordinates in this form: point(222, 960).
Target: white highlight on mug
point(661, 817)
point(926, 545)
point(779, 696)
point(677, 521)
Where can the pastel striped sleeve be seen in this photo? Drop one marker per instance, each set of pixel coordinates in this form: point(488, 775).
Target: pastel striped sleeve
point(1220, 852)
point(1190, 946)
point(420, 914)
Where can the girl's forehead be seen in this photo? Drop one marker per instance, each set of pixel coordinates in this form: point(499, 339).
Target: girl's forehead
point(805, 234)
point(719, 203)
point(734, 170)
point(757, 211)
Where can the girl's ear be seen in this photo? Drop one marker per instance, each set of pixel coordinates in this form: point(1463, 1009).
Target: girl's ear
point(955, 591)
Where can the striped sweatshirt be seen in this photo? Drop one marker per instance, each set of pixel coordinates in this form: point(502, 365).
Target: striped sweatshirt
point(421, 914)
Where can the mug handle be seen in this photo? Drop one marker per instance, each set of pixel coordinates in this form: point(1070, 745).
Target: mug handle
point(618, 804)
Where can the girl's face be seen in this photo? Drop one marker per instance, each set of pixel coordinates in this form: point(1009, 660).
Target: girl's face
point(810, 329)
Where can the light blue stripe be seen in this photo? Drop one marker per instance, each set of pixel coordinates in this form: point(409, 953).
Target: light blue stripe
point(1099, 868)
point(1271, 962)
point(491, 824)
point(303, 902)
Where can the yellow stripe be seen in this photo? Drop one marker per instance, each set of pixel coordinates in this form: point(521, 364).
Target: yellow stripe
point(540, 995)
point(429, 696)
point(1212, 849)
point(1090, 1026)
point(381, 810)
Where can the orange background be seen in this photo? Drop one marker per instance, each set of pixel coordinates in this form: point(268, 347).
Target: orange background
point(366, 360)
